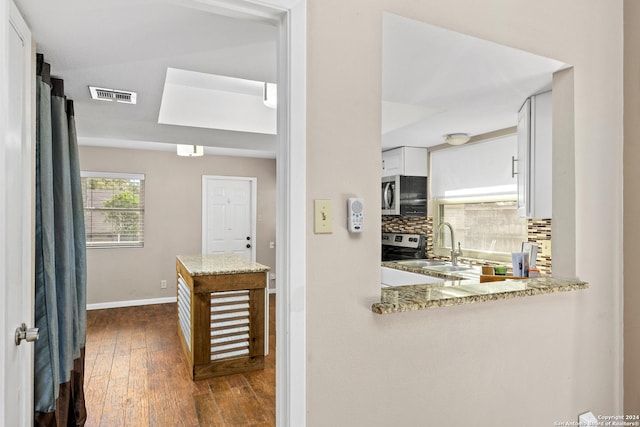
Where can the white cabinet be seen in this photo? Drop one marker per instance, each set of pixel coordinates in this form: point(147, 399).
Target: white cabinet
point(409, 161)
point(534, 158)
point(474, 170)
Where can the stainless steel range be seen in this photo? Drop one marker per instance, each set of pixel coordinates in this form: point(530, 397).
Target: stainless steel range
point(397, 246)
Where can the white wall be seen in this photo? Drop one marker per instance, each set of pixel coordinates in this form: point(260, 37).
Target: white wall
point(524, 362)
point(173, 211)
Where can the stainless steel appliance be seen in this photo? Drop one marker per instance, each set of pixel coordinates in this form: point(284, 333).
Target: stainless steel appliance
point(398, 246)
point(404, 195)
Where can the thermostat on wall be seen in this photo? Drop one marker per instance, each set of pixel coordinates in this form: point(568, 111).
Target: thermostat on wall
point(355, 218)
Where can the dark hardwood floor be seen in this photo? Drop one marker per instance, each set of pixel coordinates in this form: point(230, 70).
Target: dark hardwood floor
point(137, 375)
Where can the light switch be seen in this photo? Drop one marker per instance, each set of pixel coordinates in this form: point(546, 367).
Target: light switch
point(323, 216)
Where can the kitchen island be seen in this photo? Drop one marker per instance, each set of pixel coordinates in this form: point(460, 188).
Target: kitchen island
point(462, 288)
point(222, 313)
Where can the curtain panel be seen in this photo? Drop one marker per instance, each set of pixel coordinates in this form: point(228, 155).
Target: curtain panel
point(60, 282)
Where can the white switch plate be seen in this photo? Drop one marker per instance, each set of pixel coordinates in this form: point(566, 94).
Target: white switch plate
point(163, 284)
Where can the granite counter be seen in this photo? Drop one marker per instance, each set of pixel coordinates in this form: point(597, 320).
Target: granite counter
point(216, 264)
point(458, 289)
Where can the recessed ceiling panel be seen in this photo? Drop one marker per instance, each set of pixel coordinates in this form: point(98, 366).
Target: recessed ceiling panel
point(215, 102)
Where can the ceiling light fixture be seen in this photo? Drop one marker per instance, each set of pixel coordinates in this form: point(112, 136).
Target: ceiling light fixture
point(270, 95)
point(456, 138)
point(189, 150)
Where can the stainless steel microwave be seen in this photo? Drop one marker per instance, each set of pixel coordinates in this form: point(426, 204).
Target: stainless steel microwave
point(404, 195)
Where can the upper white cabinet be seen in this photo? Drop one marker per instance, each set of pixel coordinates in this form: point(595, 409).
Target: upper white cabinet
point(409, 161)
point(534, 159)
point(481, 169)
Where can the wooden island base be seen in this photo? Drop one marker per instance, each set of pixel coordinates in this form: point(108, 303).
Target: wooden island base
point(222, 314)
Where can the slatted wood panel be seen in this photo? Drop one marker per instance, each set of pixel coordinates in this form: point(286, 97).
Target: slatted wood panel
point(210, 314)
point(136, 375)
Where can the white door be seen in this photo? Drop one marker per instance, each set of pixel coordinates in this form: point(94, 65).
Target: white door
point(229, 215)
point(16, 284)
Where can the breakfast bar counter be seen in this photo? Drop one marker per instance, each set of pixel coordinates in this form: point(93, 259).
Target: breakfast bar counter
point(222, 315)
point(458, 289)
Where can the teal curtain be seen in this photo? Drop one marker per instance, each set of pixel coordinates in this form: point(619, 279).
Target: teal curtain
point(60, 260)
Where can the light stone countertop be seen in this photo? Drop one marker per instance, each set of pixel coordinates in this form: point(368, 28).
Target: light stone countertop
point(457, 290)
point(217, 264)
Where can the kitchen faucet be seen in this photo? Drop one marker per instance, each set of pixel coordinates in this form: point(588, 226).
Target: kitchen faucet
point(454, 254)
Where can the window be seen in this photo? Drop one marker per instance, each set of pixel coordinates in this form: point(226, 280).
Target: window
point(113, 209)
point(474, 190)
point(486, 228)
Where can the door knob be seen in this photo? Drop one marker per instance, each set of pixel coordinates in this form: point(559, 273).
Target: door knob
point(248, 246)
point(248, 237)
point(30, 334)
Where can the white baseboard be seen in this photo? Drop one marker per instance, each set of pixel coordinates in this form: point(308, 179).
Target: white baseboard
point(131, 303)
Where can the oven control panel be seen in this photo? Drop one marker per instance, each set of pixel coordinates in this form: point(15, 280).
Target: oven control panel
point(402, 240)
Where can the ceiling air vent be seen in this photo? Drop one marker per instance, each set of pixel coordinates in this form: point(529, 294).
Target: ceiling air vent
point(104, 94)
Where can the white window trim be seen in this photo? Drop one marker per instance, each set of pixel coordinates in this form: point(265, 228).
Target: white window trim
point(439, 250)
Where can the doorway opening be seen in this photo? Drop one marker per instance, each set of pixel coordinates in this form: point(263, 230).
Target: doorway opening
point(289, 17)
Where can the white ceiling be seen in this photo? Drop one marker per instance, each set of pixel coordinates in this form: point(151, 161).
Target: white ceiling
point(435, 81)
point(129, 45)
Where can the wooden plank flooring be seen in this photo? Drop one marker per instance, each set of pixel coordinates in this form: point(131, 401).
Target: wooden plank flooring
point(137, 375)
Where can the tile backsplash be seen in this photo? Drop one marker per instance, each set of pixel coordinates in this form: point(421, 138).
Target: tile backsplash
point(539, 230)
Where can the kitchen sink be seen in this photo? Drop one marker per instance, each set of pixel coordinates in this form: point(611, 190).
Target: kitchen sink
point(419, 263)
point(449, 268)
